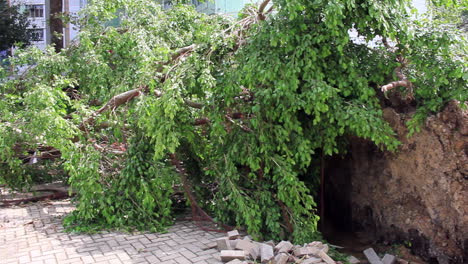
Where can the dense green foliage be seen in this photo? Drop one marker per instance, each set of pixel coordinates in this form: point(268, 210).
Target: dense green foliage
point(248, 109)
point(13, 26)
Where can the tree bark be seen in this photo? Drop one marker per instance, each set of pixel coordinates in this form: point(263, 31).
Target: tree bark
point(56, 24)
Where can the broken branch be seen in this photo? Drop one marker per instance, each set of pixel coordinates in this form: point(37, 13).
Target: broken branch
point(112, 104)
point(403, 81)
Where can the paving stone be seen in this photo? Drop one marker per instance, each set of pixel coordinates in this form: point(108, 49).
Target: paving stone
point(251, 248)
point(271, 243)
point(33, 233)
point(326, 258)
point(233, 243)
point(372, 256)
point(235, 261)
point(311, 260)
point(302, 251)
point(223, 243)
point(324, 248)
point(353, 260)
point(266, 253)
point(284, 246)
point(234, 234)
point(281, 258)
point(228, 255)
point(389, 259)
point(315, 244)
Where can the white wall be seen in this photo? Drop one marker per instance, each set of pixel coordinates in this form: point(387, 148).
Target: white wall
point(36, 22)
point(75, 7)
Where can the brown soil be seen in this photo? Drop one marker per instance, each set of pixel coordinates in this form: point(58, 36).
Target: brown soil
point(417, 196)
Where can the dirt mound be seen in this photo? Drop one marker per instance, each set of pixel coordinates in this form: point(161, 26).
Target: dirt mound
point(419, 195)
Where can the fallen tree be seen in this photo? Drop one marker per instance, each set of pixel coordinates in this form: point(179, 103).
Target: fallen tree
point(237, 112)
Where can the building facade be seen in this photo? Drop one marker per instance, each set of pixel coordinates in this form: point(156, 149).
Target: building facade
point(39, 15)
point(229, 7)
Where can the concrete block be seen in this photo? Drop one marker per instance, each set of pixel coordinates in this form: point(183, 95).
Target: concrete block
point(324, 248)
point(270, 242)
point(302, 251)
point(294, 259)
point(402, 261)
point(249, 247)
point(353, 260)
point(389, 259)
point(210, 246)
point(266, 253)
point(311, 260)
point(235, 261)
point(326, 258)
point(234, 234)
point(233, 243)
point(248, 238)
point(223, 243)
point(284, 246)
point(281, 258)
point(229, 255)
point(315, 244)
point(372, 256)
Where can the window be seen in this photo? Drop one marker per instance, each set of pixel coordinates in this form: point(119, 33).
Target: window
point(167, 4)
point(37, 34)
point(35, 10)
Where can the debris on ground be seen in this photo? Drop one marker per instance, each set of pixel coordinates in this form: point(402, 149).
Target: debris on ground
point(237, 250)
point(375, 259)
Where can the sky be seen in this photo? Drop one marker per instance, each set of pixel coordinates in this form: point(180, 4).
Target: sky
point(420, 5)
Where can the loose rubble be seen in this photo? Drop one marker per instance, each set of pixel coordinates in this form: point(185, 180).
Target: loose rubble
point(375, 259)
point(237, 250)
point(372, 256)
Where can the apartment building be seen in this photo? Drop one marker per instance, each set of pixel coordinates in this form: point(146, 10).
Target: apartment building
point(229, 7)
point(40, 15)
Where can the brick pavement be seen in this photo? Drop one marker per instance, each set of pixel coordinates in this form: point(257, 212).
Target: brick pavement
point(33, 234)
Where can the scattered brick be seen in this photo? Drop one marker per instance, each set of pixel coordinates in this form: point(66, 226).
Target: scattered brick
point(389, 259)
point(353, 260)
point(223, 243)
point(372, 256)
point(281, 258)
point(306, 251)
point(251, 248)
point(266, 253)
point(326, 258)
point(235, 261)
point(324, 248)
point(233, 243)
point(271, 243)
point(311, 260)
point(234, 234)
point(228, 255)
point(284, 247)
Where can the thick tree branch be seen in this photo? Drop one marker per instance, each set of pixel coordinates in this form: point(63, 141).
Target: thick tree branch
point(403, 80)
point(193, 104)
point(263, 5)
point(182, 51)
point(112, 104)
point(261, 14)
point(395, 84)
point(285, 212)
